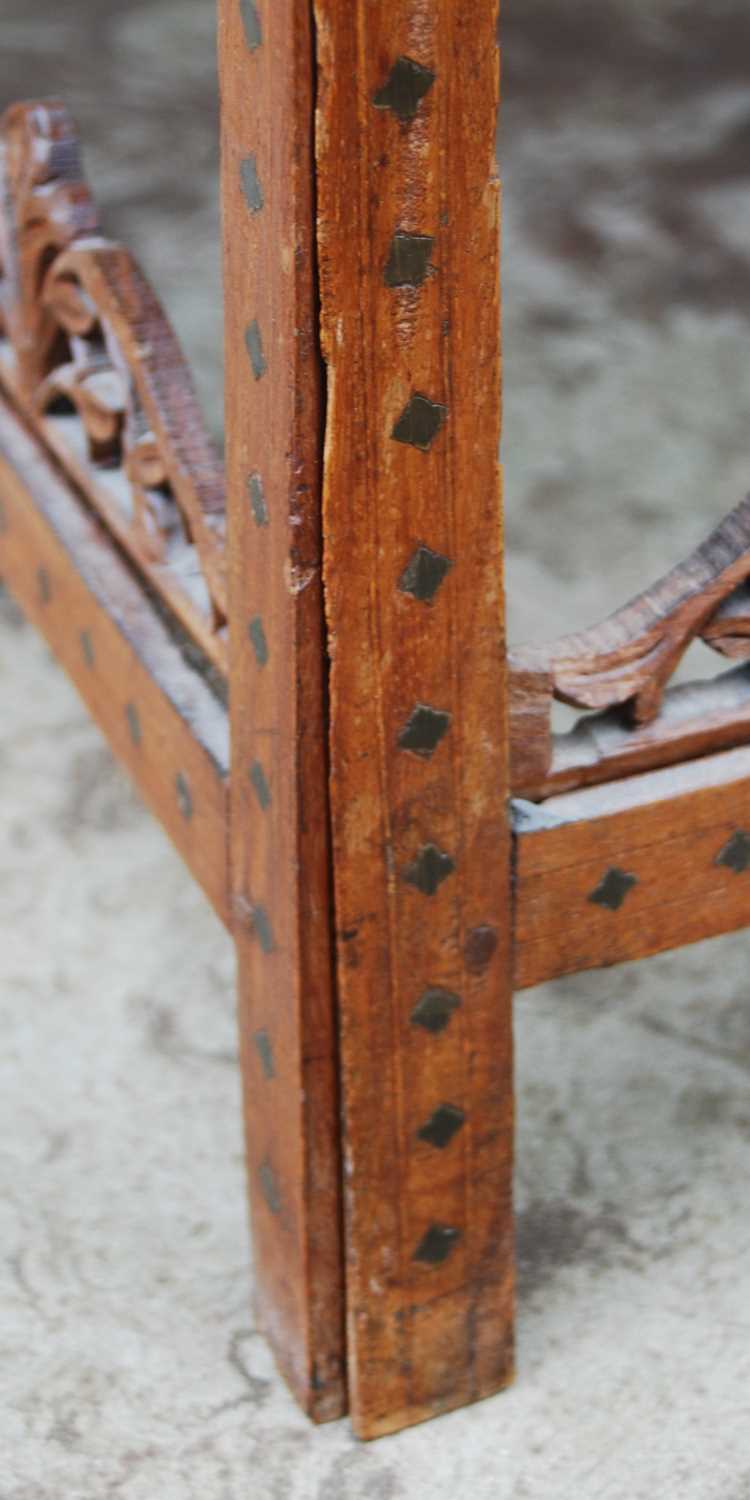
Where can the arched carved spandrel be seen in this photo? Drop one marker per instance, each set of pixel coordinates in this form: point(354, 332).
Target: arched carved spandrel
point(90, 356)
point(45, 206)
point(627, 661)
point(729, 630)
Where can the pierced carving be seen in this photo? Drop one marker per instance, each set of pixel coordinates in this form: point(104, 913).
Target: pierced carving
point(88, 354)
point(624, 665)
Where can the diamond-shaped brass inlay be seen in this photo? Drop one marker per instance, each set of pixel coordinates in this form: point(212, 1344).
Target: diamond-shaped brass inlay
point(441, 1127)
point(184, 795)
point(251, 22)
point(258, 640)
point(254, 346)
point(428, 871)
point(264, 1048)
point(613, 889)
point(260, 785)
point(424, 730)
point(437, 1244)
point(269, 1186)
point(424, 574)
point(434, 1009)
point(736, 854)
point(420, 422)
point(408, 260)
point(251, 184)
point(261, 925)
point(87, 647)
point(257, 499)
point(404, 88)
point(134, 723)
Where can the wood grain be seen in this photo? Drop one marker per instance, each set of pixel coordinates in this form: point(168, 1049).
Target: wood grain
point(160, 717)
point(618, 872)
point(408, 244)
point(280, 871)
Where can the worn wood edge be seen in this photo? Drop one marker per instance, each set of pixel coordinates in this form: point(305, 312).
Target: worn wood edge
point(279, 853)
point(671, 844)
point(62, 568)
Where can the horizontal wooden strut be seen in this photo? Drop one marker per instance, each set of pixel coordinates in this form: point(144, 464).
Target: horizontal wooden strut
point(643, 865)
point(161, 718)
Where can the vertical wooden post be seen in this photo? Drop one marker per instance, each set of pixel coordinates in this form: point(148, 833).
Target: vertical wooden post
point(408, 247)
point(279, 853)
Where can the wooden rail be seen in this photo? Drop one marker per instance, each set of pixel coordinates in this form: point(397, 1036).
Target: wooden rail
point(161, 718)
point(643, 865)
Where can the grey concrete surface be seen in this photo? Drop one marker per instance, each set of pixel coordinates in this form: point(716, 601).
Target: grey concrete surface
point(129, 1364)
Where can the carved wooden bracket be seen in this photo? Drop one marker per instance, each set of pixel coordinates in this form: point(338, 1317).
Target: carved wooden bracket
point(88, 355)
point(626, 662)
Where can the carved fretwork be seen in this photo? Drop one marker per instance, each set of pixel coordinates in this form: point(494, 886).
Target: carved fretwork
point(624, 666)
point(88, 355)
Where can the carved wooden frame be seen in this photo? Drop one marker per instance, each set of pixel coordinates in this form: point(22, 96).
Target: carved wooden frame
point(318, 703)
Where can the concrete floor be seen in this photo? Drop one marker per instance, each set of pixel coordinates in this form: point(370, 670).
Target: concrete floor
point(129, 1366)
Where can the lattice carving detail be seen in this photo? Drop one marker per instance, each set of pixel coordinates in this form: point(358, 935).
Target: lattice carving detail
point(88, 354)
point(626, 662)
